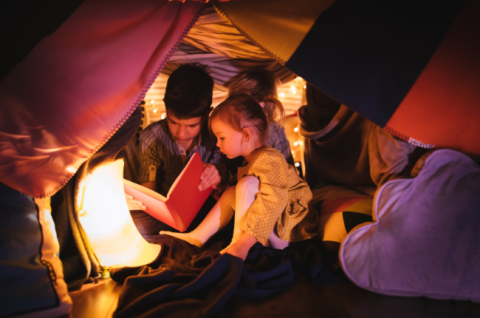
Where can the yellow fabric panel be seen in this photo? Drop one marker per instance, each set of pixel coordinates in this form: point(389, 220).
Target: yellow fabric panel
point(332, 227)
point(278, 26)
point(363, 206)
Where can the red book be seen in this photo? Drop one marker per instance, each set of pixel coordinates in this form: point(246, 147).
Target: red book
point(183, 200)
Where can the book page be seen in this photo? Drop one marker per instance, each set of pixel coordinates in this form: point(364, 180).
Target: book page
point(145, 190)
point(155, 202)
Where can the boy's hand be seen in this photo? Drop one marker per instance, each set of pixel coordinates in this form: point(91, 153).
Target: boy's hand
point(134, 204)
point(210, 177)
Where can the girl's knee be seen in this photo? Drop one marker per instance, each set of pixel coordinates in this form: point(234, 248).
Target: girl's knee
point(248, 183)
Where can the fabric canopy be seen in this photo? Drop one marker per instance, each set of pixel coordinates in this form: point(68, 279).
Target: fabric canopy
point(79, 83)
point(76, 71)
point(411, 67)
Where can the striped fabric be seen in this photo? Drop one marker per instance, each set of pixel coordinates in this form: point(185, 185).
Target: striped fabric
point(214, 34)
point(224, 68)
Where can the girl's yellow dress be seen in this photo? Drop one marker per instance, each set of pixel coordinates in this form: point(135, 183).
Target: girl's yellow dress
point(282, 202)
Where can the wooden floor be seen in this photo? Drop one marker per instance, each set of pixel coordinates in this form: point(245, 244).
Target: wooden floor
point(305, 300)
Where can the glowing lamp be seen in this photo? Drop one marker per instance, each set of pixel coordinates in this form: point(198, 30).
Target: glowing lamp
point(107, 221)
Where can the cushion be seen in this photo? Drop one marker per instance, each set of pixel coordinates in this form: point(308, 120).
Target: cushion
point(425, 234)
point(341, 209)
point(31, 274)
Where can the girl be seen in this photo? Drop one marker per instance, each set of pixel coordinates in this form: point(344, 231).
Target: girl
point(270, 200)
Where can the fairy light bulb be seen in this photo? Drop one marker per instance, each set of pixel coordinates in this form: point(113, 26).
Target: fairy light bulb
point(293, 89)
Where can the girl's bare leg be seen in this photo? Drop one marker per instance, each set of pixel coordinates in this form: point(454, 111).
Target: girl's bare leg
point(216, 219)
point(246, 190)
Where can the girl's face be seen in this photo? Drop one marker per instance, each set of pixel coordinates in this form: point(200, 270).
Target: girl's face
point(229, 140)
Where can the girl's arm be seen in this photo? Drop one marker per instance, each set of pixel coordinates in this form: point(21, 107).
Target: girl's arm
point(241, 247)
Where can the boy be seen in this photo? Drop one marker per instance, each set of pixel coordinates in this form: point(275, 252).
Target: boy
point(166, 146)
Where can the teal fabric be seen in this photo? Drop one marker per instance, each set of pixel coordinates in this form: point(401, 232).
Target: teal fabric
point(25, 285)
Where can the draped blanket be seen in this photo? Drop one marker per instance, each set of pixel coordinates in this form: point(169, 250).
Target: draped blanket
point(70, 81)
point(187, 281)
point(78, 82)
point(408, 66)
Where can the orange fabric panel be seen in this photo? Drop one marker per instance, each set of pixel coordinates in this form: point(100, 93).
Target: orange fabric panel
point(338, 204)
point(277, 26)
point(442, 108)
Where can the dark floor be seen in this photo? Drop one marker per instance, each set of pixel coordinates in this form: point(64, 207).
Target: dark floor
point(306, 299)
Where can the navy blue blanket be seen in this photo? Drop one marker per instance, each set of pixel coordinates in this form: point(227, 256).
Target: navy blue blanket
point(187, 281)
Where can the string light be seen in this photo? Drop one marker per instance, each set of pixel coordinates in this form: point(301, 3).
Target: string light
point(281, 95)
point(295, 129)
point(295, 143)
point(155, 110)
point(163, 116)
point(297, 164)
point(293, 89)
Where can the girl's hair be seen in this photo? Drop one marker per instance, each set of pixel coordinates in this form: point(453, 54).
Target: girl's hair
point(240, 111)
point(262, 86)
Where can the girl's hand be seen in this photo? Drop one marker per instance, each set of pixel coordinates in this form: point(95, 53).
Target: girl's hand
point(134, 204)
point(210, 177)
point(241, 247)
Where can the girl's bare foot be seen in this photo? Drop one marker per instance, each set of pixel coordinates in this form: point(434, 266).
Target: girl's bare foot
point(187, 237)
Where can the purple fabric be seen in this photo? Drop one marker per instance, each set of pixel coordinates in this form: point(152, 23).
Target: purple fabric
point(76, 87)
point(425, 234)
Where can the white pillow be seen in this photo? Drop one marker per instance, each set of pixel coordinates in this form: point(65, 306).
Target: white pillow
point(425, 238)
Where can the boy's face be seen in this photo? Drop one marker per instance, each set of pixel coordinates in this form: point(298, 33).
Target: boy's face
point(184, 131)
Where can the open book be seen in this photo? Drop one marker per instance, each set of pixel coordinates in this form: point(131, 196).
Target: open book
point(183, 200)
